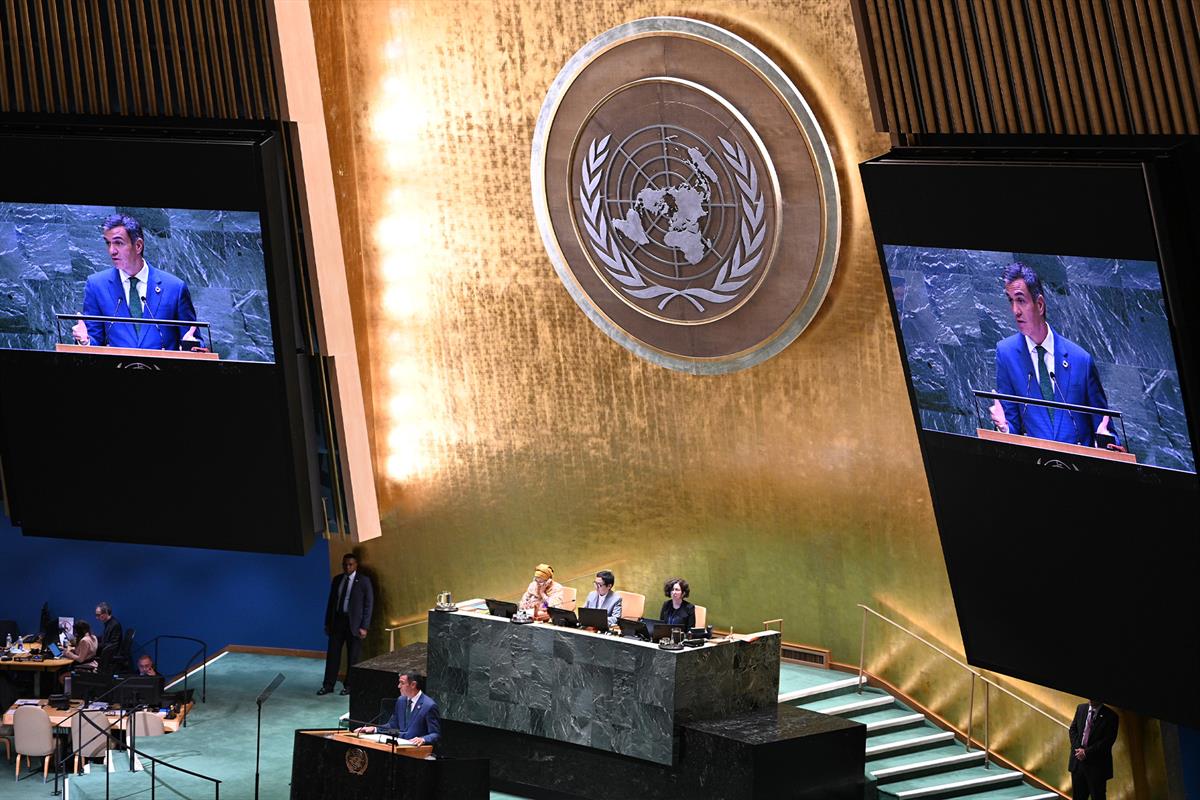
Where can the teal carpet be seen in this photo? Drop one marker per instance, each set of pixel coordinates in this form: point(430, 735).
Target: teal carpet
point(219, 738)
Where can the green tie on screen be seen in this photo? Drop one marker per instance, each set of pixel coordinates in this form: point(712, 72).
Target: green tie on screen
point(1044, 379)
point(136, 307)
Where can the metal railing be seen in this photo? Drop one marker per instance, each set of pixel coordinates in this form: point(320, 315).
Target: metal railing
point(187, 668)
point(988, 684)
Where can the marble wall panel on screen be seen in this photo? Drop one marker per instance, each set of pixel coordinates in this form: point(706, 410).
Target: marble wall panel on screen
point(953, 311)
point(48, 251)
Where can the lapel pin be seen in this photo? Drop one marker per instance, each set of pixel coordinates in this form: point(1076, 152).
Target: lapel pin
point(158, 290)
point(1065, 364)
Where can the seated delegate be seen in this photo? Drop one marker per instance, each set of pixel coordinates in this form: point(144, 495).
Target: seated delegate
point(604, 597)
point(677, 610)
point(83, 653)
point(543, 591)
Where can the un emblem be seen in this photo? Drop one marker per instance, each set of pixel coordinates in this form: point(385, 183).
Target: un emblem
point(661, 206)
point(356, 761)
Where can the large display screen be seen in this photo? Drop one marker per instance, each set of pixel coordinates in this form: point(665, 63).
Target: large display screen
point(970, 325)
point(65, 278)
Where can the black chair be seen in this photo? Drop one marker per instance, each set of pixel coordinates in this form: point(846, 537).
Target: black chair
point(9, 627)
point(123, 658)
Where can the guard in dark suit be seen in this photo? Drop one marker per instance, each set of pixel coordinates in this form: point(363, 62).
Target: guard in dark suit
point(1093, 734)
point(347, 618)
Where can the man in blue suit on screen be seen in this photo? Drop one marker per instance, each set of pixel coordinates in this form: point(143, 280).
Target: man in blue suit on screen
point(134, 289)
point(416, 716)
point(1039, 363)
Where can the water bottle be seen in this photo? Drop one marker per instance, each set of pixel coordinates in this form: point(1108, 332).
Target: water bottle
point(8, 641)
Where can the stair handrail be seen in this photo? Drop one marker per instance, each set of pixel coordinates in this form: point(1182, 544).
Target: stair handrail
point(987, 683)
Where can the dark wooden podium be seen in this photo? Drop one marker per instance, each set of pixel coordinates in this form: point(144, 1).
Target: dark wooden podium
point(331, 764)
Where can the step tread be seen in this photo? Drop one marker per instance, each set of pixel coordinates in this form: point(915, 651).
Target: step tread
point(850, 701)
point(1021, 791)
point(944, 782)
point(951, 756)
point(925, 736)
point(885, 718)
point(818, 689)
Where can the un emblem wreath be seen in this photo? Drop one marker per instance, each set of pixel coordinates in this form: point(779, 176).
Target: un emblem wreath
point(706, 239)
point(733, 273)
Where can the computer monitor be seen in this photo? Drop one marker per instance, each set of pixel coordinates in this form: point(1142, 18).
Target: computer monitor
point(501, 608)
point(563, 617)
point(593, 618)
point(634, 629)
point(140, 690)
point(659, 629)
point(87, 686)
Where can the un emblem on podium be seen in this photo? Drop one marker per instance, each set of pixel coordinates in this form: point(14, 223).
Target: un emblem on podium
point(356, 761)
point(686, 195)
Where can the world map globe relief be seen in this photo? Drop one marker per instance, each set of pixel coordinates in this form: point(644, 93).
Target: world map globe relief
point(669, 198)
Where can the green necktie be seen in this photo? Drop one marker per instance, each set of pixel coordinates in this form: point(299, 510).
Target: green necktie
point(135, 306)
point(1044, 379)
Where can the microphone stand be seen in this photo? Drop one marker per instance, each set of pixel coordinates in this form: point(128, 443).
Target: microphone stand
point(262, 698)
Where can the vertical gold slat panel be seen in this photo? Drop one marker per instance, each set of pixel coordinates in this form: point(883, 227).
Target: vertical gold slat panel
point(54, 91)
point(1030, 67)
point(176, 61)
point(994, 68)
point(212, 59)
point(1118, 91)
point(190, 49)
point(1190, 35)
point(264, 58)
point(241, 77)
point(941, 73)
point(150, 78)
point(166, 102)
point(1012, 35)
point(1076, 49)
point(1050, 65)
point(1142, 44)
point(888, 92)
point(1179, 63)
point(901, 76)
point(952, 69)
point(71, 41)
point(29, 73)
point(209, 89)
point(981, 91)
point(1160, 62)
point(117, 45)
point(927, 102)
point(1108, 100)
point(5, 63)
point(1132, 71)
point(224, 61)
point(1069, 80)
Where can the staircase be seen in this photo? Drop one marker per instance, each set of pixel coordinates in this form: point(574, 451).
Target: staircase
point(907, 755)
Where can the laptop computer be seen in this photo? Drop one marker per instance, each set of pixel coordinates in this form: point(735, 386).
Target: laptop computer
point(634, 629)
point(54, 650)
point(501, 608)
point(659, 629)
point(560, 616)
point(593, 618)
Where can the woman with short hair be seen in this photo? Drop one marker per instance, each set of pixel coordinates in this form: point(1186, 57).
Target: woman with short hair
point(677, 610)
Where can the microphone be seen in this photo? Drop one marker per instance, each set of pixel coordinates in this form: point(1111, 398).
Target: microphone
point(1056, 393)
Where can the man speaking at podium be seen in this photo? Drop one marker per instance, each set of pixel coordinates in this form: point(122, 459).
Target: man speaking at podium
point(134, 289)
point(1038, 363)
point(416, 716)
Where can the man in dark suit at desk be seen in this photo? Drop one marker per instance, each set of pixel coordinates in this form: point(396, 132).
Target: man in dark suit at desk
point(347, 618)
point(416, 716)
point(1093, 733)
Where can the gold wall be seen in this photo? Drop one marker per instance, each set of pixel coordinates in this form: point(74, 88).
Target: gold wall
point(508, 430)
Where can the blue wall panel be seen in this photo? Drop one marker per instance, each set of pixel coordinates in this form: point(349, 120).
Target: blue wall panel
point(217, 596)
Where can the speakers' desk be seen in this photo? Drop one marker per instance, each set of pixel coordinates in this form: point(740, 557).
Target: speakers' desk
point(58, 718)
point(610, 693)
point(331, 764)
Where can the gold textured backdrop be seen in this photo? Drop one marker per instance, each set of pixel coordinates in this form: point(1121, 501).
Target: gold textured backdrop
point(507, 430)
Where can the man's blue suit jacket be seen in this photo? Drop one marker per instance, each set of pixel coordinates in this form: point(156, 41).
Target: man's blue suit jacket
point(167, 297)
point(424, 721)
point(1075, 381)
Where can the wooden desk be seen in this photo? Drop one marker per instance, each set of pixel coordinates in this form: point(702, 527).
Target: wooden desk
point(1059, 447)
point(136, 352)
point(58, 718)
point(27, 664)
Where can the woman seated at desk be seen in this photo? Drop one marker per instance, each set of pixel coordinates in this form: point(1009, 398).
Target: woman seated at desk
point(83, 652)
point(543, 591)
point(677, 610)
